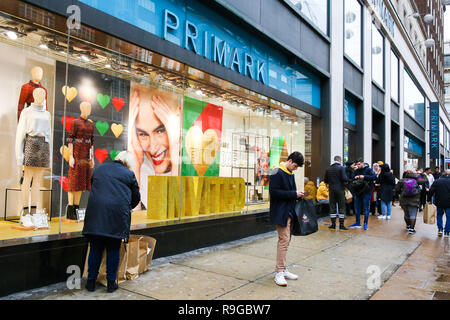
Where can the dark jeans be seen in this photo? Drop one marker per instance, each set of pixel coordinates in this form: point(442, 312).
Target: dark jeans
point(440, 220)
point(97, 246)
point(337, 197)
point(362, 205)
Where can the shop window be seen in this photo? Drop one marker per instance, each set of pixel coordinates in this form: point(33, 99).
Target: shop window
point(352, 32)
point(377, 56)
point(414, 100)
point(203, 147)
point(315, 10)
point(395, 77)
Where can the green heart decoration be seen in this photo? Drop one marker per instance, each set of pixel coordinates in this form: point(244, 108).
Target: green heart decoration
point(113, 154)
point(103, 100)
point(102, 127)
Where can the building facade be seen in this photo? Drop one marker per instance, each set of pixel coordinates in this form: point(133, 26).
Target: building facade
point(209, 96)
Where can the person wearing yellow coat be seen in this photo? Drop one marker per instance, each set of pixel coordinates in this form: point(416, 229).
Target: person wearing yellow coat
point(310, 190)
point(323, 193)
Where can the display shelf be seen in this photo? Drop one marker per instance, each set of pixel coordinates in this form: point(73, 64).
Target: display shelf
point(15, 218)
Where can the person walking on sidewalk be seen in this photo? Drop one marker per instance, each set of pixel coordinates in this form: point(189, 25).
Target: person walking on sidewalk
point(336, 179)
point(367, 179)
point(409, 191)
point(114, 193)
point(283, 195)
point(386, 184)
point(350, 172)
point(440, 189)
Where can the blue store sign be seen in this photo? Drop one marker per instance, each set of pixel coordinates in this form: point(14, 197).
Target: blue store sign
point(434, 130)
point(197, 28)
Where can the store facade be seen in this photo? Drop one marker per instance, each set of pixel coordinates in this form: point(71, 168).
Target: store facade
point(206, 102)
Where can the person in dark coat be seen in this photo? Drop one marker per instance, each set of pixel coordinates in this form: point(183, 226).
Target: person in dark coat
point(362, 201)
point(423, 189)
point(337, 179)
point(440, 189)
point(283, 195)
point(410, 204)
point(114, 193)
point(386, 184)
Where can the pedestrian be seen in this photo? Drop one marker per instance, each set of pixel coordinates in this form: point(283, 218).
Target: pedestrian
point(323, 193)
point(409, 192)
point(367, 179)
point(437, 173)
point(350, 172)
point(114, 193)
point(386, 184)
point(441, 192)
point(374, 196)
point(310, 190)
point(430, 182)
point(336, 178)
point(424, 187)
point(283, 195)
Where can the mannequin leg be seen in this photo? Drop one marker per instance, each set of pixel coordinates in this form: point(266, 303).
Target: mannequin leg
point(70, 196)
point(36, 187)
point(77, 198)
point(25, 188)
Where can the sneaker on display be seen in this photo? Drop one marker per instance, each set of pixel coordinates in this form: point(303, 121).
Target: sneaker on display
point(290, 276)
point(280, 280)
point(355, 225)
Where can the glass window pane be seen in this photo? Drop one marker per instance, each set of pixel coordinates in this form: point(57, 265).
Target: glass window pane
point(377, 56)
point(414, 99)
point(394, 76)
point(315, 10)
point(352, 30)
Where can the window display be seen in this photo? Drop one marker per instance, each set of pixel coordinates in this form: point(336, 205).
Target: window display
point(203, 147)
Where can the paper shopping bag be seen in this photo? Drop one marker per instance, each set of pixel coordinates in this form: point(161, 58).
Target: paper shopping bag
point(146, 248)
point(132, 247)
point(429, 213)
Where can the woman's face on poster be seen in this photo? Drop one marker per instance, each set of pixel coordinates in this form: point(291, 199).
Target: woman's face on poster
point(153, 137)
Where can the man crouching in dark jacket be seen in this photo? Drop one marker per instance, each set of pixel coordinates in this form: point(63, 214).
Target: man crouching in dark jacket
point(283, 194)
point(441, 190)
point(336, 178)
point(114, 193)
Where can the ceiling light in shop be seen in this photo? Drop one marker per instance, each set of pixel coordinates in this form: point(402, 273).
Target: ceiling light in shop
point(107, 66)
point(85, 58)
point(199, 92)
point(43, 46)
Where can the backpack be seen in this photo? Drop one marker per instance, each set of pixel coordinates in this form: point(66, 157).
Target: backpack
point(359, 186)
point(410, 187)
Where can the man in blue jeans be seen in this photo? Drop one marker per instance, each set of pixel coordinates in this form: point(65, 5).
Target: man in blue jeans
point(362, 201)
point(441, 190)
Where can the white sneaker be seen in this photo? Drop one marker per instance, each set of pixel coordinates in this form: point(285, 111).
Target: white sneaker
point(388, 218)
point(26, 221)
point(290, 276)
point(280, 280)
point(381, 217)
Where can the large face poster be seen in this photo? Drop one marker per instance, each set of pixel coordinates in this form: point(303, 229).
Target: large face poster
point(202, 133)
point(154, 134)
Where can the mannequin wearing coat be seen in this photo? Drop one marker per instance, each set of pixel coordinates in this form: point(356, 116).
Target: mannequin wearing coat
point(33, 141)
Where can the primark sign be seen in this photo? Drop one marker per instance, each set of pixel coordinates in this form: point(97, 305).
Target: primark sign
point(434, 130)
point(383, 12)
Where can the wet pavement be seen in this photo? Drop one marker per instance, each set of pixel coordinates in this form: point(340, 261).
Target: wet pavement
point(382, 263)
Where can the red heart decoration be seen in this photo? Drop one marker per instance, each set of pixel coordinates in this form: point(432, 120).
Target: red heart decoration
point(68, 122)
point(118, 103)
point(101, 154)
point(87, 94)
point(64, 182)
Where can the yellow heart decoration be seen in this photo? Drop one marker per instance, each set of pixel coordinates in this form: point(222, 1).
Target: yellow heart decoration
point(66, 153)
point(117, 129)
point(71, 93)
point(202, 148)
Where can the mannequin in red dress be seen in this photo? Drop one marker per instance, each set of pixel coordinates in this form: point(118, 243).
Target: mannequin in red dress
point(26, 93)
point(81, 162)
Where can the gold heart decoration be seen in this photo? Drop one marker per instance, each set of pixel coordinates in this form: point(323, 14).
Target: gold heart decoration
point(66, 153)
point(71, 93)
point(117, 129)
point(202, 148)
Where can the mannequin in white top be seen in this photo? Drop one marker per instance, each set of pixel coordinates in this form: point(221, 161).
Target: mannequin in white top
point(33, 128)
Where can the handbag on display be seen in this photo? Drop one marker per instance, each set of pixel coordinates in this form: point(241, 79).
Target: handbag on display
point(305, 219)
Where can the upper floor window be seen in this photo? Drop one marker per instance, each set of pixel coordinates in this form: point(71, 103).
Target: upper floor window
point(395, 79)
point(377, 56)
point(352, 36)
point(414, 99)
point(315, 10)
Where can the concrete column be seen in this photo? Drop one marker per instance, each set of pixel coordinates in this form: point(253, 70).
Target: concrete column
point(367, 84)
point(337, 79)
point(401, 117)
